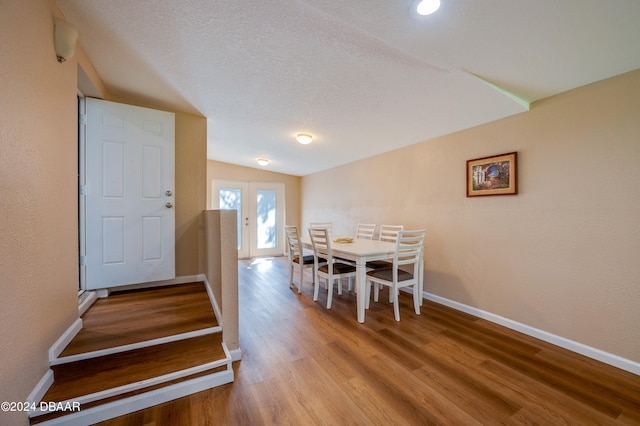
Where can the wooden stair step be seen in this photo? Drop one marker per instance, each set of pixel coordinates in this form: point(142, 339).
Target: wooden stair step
point(79, 378)
point(138, 348)
point(130, 317)
point(55, 415)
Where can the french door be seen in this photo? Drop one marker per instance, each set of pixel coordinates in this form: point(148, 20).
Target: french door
point(260, 207)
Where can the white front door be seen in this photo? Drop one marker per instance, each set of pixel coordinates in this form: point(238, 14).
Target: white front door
point(129, 197)
point(260, 207)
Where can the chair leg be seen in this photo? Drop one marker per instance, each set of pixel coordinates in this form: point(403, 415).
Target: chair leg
point(291, 276)
point(376, 291)
point(339, 283)
point(300, 280)
point(330, 292)
point(416, 298)
point(396, 305)
point(316, 287)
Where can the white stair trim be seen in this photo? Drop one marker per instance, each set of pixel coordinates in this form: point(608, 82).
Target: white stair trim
point(66, 338)
point(212, 298)
point(109, 393)
point(41, 388)
point(145, 400)
point(137, 345)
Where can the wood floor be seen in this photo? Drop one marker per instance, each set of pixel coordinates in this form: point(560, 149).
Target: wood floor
point(305, 365)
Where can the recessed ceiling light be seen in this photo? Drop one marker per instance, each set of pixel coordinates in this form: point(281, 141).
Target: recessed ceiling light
point(427, 7)
point(263, 161)
point(304, 138)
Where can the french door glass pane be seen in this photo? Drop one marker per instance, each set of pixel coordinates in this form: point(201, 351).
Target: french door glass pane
point(231, 199)
point(266, 218)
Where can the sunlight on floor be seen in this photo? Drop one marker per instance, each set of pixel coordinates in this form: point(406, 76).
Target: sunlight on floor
point(262, 264)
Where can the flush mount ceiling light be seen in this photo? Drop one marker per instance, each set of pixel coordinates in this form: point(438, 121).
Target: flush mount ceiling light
point(304, 138)
point(427, 7)
point(263, 161)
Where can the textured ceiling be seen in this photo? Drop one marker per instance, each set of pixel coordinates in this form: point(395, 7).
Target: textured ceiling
point(363, 76)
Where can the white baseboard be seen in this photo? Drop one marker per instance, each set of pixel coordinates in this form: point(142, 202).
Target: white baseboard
point(92, 296)
point(185, 279)
point(236, 354)
point(588, 351)
point(65, 339)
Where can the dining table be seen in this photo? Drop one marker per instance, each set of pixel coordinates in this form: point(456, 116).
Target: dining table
point(360, 251)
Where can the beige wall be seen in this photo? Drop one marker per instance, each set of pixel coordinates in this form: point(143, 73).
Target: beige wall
point(38, 197)
point(562, 256)
point(191, 184)
point(38, 193)
point(219, 170)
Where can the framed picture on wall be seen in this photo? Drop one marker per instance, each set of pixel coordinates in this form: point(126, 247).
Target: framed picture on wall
point(495, 175)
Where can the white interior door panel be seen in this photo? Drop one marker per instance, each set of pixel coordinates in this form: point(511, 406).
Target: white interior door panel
point(129, 195)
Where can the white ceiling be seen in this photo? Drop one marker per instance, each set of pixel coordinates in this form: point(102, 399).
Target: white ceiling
point(363, 76)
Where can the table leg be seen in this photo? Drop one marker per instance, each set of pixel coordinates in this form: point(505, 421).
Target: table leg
point(361, 281)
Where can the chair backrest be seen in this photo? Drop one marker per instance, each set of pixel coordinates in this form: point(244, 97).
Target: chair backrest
point(293, 242)
point(390, 232)
point(325, 225)
point(366, 230)
point(321, 244)
point(409, 248)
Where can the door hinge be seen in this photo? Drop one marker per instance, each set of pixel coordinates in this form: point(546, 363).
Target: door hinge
point(83, 119)
point(83, 260)
point(82, 190)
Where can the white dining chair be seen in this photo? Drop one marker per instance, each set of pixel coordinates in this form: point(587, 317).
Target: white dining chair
point(365, 230)
point(333, 270)
point(387, 233)
point(407, 255)
point(297, 259)
point(325, 225)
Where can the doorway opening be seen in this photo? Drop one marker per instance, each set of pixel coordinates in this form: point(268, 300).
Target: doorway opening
point(80, 164)
point(260, 208)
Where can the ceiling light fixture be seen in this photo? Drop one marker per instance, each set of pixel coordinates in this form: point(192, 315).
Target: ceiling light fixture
point(64, 39)
point(427, 7)
point(263, 161)
point(304, 138)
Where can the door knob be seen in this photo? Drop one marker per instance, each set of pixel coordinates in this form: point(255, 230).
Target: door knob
point(169, 205)
point(168, 193)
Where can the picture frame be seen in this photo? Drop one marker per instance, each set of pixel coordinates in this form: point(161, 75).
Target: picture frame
point(494, 175)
